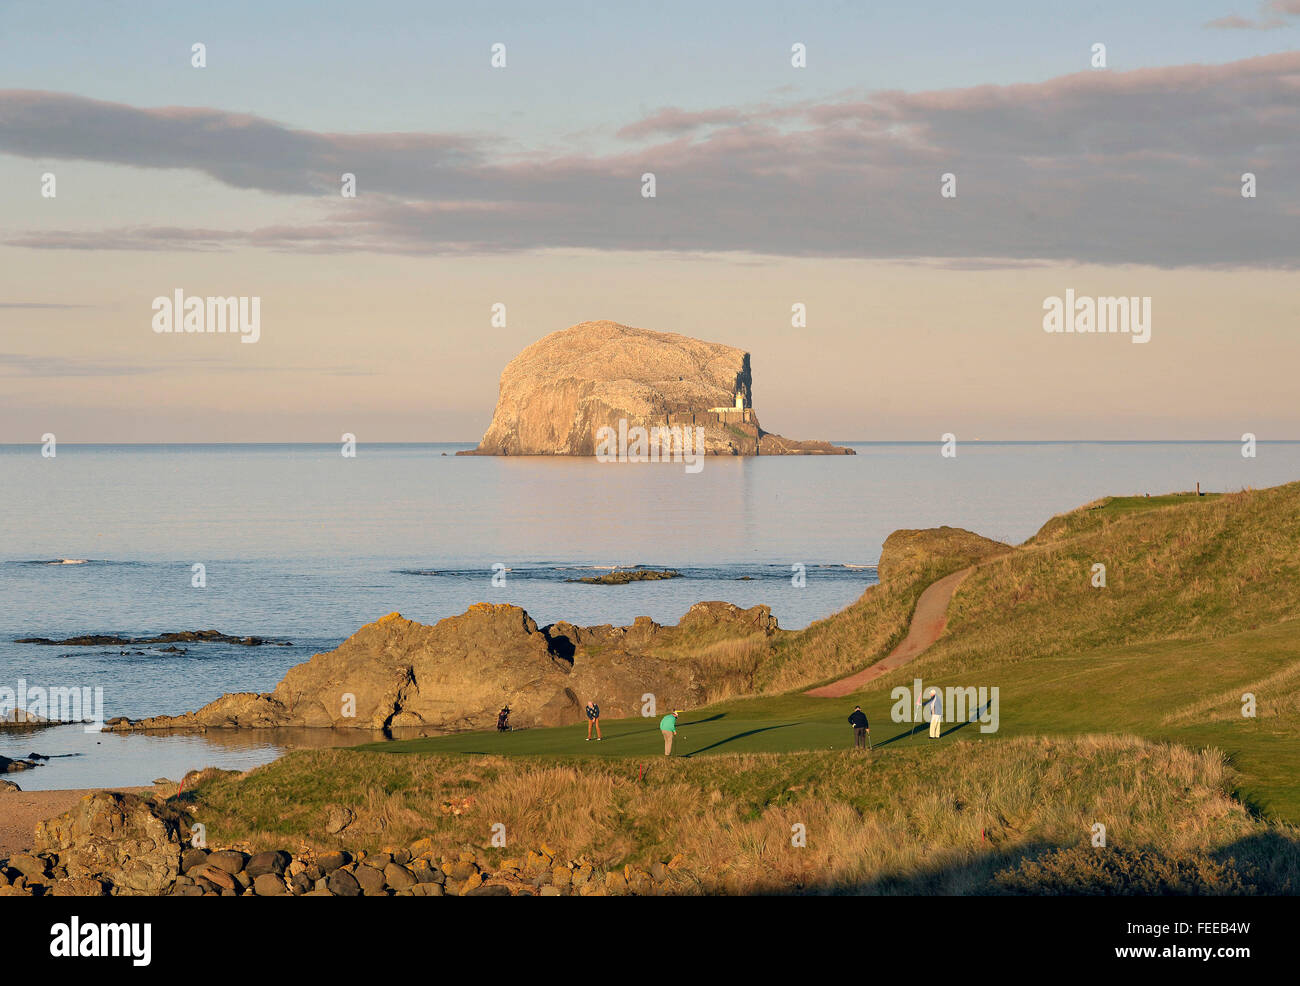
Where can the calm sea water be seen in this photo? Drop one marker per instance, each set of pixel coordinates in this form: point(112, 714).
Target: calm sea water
point(302, 546)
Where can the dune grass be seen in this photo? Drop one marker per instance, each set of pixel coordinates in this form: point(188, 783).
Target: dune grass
point(898, 823)
point(1190, 568)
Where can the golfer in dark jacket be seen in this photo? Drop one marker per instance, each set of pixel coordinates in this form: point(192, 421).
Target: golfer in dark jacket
point(858, 720)
point(593, 719)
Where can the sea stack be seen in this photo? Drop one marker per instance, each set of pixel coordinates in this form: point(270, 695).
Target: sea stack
point(562, 390)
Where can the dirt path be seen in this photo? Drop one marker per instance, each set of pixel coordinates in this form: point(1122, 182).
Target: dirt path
point(21, 810)
point(928, 621)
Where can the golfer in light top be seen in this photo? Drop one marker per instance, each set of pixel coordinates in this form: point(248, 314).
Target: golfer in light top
point(935, 701)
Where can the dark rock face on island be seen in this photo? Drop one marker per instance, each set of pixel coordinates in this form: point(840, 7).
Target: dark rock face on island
point(396, 674)
point(559, 393)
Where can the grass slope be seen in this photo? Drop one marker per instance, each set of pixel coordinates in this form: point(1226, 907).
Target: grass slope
point(874, 824)
point(1114, 705)
point(1066, 657)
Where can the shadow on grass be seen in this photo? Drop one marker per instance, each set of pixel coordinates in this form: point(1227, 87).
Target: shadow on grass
point(1268, 859)
point(732, 739)
point(712, 718)
point(970, 878)
point(1265, 863)
point(918, 729)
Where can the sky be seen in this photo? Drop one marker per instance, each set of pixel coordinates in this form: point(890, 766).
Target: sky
point(522, 186)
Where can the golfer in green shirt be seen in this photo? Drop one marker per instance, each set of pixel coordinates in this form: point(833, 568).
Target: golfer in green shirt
point(668, 726)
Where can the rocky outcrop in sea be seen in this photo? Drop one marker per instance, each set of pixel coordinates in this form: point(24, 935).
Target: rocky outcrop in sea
point(559, 393)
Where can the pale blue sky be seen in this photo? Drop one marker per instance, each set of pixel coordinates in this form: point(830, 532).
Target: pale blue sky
point(406, 65)
point(480, 186)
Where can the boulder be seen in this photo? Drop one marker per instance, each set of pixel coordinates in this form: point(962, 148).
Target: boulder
point(230, 860)
point(267, 862)
point(193, 857)
point(370, 879)
point(426, 872)
point(215, 877)
point(488, 890)
point(328, 862)
point(269, 885)
point(122, 839)
point(341, 883)
point(398, 877)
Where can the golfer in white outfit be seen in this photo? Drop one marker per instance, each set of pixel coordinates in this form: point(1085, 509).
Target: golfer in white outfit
point(935, 701)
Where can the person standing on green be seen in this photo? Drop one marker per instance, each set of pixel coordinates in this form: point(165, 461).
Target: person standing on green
point(668, 726)
point(858, 720)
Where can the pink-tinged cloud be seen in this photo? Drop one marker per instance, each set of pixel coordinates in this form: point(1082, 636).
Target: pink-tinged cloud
point(1109, 167)
point(1273, 14)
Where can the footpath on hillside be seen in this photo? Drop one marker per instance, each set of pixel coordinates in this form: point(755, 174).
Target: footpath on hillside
point(928, 621)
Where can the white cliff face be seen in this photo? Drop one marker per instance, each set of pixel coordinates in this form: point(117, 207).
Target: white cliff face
point(558, 393)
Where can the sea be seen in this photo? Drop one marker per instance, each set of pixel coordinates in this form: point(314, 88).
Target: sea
point(300, 545)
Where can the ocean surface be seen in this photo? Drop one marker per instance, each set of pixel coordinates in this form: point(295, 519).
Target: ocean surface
point(301, 546)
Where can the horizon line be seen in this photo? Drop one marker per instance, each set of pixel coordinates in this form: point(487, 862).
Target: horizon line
point(842, 441)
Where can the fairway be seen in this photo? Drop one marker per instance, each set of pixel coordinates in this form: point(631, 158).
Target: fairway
point(710, 731)
point(1136, 690)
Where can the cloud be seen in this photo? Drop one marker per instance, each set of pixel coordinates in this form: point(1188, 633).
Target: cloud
point(1104, 167)
point(1273, 15)
point(37, 305)
point(25, 365)
point(54, 367)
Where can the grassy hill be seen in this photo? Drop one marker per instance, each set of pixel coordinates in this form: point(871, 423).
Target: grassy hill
point(1177, 568)
point(1126, 700)
point(868, 629)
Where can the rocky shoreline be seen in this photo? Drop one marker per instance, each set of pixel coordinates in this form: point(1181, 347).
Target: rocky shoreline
point(12, 765)
point(117, 844)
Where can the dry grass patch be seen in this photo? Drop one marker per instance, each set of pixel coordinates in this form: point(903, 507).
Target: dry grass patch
point(1277, 697)
point(904, 823)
